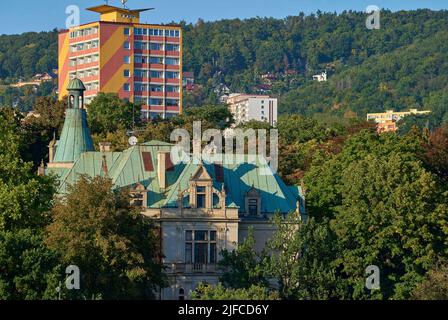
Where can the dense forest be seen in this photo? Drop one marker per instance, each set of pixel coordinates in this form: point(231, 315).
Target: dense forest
point(402, 65)
point(22, 56)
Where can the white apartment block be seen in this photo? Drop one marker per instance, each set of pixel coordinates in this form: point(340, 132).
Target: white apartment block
point(253, 107)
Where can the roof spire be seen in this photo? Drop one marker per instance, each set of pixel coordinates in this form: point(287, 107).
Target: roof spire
point(75, 137)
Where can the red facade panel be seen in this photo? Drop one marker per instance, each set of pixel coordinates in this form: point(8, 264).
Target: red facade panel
point(147, 161)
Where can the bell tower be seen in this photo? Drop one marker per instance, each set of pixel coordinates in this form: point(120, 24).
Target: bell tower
point(75, 136)
point(76, 94)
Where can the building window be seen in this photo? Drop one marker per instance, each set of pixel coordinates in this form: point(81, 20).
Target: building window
point(156, 32)
point(140, 59)
point(253, 202)
point(127, 45)
point(172, 47)
point(156, 60)
point(172, 103)
point(253, 207)
point(200, 197)
point(141, 87)
point(138, 45)
point(155, 102)
point(155, 46)
point(172, 75)
point(127, 87)
point(127, 31)
point(172, 33)
point(172, 61)
point(126, 59)
point(156, 88)
point(172, 89)
point(200, 246)
point(137, 199)
point(127, 73)
point(181, 294)
point(156, 74)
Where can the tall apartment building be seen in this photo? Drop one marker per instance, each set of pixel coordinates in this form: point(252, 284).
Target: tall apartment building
point(253, 107)
point(118, 54)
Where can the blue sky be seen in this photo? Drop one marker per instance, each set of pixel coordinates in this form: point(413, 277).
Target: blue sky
point(17, 16)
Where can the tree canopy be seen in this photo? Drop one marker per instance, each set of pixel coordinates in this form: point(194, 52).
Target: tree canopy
point(113, 245)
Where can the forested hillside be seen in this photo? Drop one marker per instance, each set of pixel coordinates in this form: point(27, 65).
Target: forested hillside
point(27, 54)
point(402, 65)
point(241, 49)
point(414, 76)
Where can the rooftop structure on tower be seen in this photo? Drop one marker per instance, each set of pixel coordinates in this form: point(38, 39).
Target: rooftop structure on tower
point(75, 136)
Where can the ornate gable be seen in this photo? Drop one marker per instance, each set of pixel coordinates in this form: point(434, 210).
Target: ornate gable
point(201, 174)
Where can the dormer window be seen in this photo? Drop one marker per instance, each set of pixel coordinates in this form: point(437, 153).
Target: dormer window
point(201, 190)
point(253, 207)
point(137, 200)
point(138, 196)
point(253, 203)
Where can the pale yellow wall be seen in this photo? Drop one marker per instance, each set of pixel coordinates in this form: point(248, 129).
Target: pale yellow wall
point(116, 16)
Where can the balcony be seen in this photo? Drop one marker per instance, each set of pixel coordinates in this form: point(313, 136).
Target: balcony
point(192, 268)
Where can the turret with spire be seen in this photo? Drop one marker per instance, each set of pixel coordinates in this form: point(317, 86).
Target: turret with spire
point(75, 137)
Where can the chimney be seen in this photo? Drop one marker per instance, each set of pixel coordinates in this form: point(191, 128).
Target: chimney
point(161, 168)
point(105, 146)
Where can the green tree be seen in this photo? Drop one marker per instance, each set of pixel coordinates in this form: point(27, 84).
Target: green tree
point(243, 267)
point(302, 259)
point(108, 113)
point(393, 215)
point(325, 175)
point(28, 269)
point(25, 198)
point(218, 117)
point(219, 292)
point(114, 246)
point(434, 286)
point(47, 121)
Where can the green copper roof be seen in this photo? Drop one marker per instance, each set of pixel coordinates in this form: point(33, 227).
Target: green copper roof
point(127, 168)
point(76, 84)
point(75, 137)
